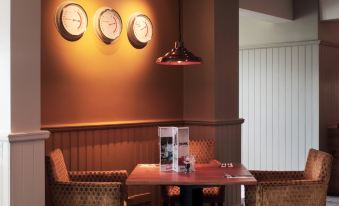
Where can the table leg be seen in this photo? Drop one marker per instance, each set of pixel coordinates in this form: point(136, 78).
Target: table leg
point(191, 196)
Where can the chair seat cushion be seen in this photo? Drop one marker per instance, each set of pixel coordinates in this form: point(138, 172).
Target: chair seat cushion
point(208, 192)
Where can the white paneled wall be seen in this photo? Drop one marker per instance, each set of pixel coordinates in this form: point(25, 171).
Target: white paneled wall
point(4, 172)
point(27, 165)
point(279, 100)
point(22, 169)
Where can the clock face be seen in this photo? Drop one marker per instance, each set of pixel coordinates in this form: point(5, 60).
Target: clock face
point(108, 24)
point(71, 21)
point(143, 28)
point(140, 30)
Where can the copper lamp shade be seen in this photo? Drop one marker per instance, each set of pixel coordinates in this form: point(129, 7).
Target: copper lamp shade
point(179, 55)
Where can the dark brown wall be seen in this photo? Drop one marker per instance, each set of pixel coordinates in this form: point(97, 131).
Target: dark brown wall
point(211, 89)
point(328, 78)
point(329, 31)
point(328, 89)
point(88, 82)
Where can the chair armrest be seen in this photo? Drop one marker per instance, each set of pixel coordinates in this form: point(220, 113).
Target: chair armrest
point(99, 176)
point(300, 192)
point(80, 193)
point(290, 182)
point(277, 175)
point(140, 199)
point(216, 162)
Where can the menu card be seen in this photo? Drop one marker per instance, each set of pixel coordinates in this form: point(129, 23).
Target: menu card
point(174, 147)
point(166, 136)
point(180, 149)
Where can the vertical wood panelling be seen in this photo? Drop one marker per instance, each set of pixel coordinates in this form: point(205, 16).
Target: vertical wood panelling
point(288, 103)
point(269, 114)
point(27, 170)
point(279, 101)
point(4, 173)
point(316, 94)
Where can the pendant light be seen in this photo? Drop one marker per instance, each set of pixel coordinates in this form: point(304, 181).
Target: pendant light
point(179, 55)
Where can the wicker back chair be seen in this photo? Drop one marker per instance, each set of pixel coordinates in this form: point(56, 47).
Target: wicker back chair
point(308, 187)
point(204, 152)
point(88, 188)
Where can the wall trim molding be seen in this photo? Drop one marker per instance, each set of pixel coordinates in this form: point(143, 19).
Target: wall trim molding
point(329, 44)
point(283, 44)
point(139, 123)
point(28, 136)
point(214, 122)
point(4, 137)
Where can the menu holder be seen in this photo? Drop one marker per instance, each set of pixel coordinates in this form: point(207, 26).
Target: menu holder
point(174, 147)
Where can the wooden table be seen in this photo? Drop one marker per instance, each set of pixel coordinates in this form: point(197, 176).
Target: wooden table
point(191, 184)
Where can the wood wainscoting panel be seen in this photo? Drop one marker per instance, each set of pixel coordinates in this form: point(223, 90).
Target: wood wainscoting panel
point(122, 147)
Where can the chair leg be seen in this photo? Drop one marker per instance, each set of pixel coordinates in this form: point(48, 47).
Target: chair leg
point(169, 203)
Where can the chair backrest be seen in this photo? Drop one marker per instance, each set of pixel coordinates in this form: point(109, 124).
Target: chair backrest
point(318, 166)
point(202, 149)
point(58, 169)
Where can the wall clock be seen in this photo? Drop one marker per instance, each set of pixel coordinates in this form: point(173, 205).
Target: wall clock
point(140, 30)
point(71, 20)
point(107, 24)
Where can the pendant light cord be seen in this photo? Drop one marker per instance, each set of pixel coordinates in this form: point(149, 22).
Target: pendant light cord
point(180, 20)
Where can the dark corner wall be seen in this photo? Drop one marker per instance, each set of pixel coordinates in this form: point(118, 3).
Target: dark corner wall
point(328, 78)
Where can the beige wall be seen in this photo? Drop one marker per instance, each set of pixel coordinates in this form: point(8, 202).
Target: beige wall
point(278, 8)
point(303, 27)
point(5, 67)
point(329, 9)
point(89, 82)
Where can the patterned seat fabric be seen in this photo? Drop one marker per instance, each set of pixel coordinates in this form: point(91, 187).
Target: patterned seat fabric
point(204, 152)
point(308, 187)
point(86, 188)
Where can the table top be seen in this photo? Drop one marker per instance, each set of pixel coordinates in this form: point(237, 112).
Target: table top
point(205, 174)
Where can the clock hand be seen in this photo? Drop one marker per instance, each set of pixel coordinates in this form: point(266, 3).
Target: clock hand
point(72, 19)
point(115, 22)
point(146, 31)
point(80, 21)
